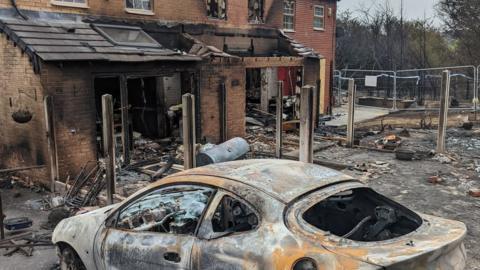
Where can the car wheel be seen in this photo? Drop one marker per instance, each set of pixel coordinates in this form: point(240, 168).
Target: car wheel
point(69, 260)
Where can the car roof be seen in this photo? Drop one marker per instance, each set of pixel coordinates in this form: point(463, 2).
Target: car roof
point(282, 179)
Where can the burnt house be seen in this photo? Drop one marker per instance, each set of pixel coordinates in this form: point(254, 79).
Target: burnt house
point(72, 58)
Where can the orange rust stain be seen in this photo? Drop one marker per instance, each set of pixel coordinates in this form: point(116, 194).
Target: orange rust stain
point(284, 258)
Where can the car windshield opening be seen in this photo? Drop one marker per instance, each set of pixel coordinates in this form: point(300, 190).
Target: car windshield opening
point(362, 215)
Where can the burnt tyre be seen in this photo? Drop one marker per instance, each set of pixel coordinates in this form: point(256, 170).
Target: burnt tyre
point(69, 260)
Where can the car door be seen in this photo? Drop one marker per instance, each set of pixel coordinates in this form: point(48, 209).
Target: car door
point(229, 237)
point(156, 230)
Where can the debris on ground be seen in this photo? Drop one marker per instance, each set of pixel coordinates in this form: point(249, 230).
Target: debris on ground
point(389, 142)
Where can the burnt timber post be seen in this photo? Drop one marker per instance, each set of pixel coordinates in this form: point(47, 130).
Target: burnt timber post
point(443, 117)
point(2, 230)
point(51, 140)
point(351, 113)
point(125, 120)
point(108, 145)
point(279, 121)
point(223, 112)
point(189, 136)
point(306, 124)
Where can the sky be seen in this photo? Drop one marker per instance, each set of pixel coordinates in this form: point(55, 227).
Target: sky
point(413, 9)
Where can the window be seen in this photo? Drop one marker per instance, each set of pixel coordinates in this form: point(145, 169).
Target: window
point(232, 215)
point(71, 3)
point(255, 11)
point(175, 210)
point(319, 17)
point(288, 15)
point(362, 215)
point(140, 6)
point(217, 9)
point(126, 36)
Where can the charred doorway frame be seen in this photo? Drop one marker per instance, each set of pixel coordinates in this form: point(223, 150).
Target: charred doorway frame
point(123, 80)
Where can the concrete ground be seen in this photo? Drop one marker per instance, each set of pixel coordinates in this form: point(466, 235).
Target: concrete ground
point(362, 113)
point(43, 258)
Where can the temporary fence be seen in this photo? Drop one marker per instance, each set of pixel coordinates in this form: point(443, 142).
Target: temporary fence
point(409, 89)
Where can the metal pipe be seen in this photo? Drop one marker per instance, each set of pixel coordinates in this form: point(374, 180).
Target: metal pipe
point(14, 4)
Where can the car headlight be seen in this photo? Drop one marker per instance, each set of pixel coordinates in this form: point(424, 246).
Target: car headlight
point(305, 264)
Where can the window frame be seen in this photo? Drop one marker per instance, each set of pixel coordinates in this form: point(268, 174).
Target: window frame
point(262, 21)
point(322, 17)
point(292, 15)
point(112, 221)
point(69, 4)
point(218, 18)
point(98, 27)
point(140, 11)
point(205, 230)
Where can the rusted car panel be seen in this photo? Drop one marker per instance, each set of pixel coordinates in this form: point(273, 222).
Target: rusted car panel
point(434, 245)
point(277, 193)
point(285, 180)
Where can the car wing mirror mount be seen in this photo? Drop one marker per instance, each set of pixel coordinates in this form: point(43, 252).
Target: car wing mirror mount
point(217, 235)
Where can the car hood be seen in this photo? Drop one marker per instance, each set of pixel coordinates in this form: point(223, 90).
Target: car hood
point(80, 230)
point(434, 239)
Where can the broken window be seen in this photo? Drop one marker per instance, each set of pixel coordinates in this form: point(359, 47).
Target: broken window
point(255, 11)
point(217, 9)
point(319, 17)
point(127, 36)
point(362, 215)
point(233, 215)
point(143, 5)
point(289, 15)
point(175, 210)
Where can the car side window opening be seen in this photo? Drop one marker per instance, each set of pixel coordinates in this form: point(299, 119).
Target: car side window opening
point(362, 215)
point(175, 210)
point(232, 215)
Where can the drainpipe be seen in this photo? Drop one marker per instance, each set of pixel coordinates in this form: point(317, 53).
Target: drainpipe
point(14, 4)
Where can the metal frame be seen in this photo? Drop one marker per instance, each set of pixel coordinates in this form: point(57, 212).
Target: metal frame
point(342, 75)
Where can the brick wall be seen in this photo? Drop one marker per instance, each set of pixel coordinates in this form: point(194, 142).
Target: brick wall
point(71, 88)
point(21, 144)
point(211, 76)
point(323, 41)
point(184, 10)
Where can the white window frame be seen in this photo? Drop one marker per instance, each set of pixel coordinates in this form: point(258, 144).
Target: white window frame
point(292, 15)
point(69, 4)
point(321, 17)
point(140, 11)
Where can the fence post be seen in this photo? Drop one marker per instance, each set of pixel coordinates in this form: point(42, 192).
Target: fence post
point(351, 112)
point(394, 91)
point(306, 124)
point(108, 145)
point(189, 136)
point(51, 139)
point(279, 129)
point(443, 117)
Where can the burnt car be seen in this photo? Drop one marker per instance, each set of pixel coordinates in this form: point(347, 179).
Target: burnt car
point(259, 214)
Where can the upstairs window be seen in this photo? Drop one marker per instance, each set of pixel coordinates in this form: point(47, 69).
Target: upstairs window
point(255, 11)
point(139, 6)
point(70, 3)
point(289, 15)
point(126, 36)
point(319, 17)
point(217, 9)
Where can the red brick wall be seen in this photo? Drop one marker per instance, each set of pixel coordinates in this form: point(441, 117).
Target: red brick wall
point(73, 96)
point(21, 144)
point(211, 76)
point(323, 41)
point(184, 10)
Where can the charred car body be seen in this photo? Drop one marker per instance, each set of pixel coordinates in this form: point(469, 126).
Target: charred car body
point(259, 214)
